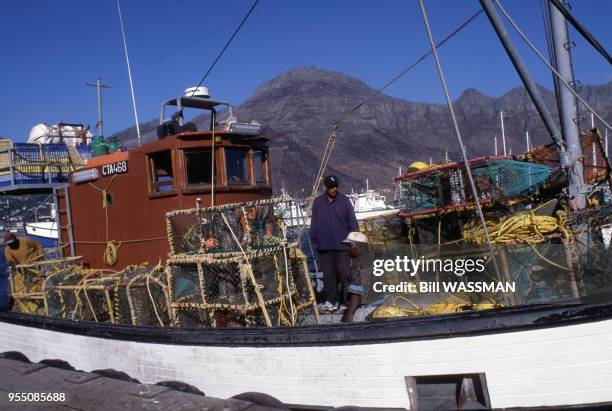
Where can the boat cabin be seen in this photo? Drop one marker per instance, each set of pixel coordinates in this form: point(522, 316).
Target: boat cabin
point(118, 202)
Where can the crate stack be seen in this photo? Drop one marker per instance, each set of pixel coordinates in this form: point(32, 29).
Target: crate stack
point(231, 266)
point(445, 188)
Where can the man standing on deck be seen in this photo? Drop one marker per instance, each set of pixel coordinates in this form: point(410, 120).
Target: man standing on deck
point(332, 219)
point(21, 250)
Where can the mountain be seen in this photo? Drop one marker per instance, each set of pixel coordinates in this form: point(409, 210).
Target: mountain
point(299, 108)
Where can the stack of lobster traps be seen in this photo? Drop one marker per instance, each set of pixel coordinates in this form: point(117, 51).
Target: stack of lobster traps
point(231, 266)
point(137, 295)
point(533, 241)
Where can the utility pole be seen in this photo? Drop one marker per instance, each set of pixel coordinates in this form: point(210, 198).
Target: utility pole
point(571, 159)
point(99, 86)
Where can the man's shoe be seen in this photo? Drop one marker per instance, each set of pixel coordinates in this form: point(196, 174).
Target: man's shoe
point(327, 307)
point(342, 308)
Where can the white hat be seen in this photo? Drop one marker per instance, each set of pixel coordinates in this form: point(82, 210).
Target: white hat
point(356, 237)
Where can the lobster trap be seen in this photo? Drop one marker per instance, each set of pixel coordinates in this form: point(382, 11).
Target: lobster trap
point(594, 159)
point(446, 187)
point(258, 289)
point(137, 295)
point(227, 229)
point(28, 278)
point(385, 229)
point(543, 273)
point(81, 295)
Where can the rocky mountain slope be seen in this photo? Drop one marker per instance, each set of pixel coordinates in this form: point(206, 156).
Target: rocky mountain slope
point(299, 107)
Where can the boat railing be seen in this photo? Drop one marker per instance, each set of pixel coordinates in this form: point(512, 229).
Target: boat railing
point(24, 165)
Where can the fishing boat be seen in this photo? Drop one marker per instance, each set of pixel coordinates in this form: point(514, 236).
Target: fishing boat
point(116, 213)
point(369, 204)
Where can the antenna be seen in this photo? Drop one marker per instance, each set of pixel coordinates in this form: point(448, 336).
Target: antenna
point(127, 59)
point(99, 86)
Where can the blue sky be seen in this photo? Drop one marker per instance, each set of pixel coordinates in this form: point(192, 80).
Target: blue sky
point(50, 49)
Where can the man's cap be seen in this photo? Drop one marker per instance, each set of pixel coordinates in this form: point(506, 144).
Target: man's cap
point(330, 181)
point(9, 238)
point(356, 237)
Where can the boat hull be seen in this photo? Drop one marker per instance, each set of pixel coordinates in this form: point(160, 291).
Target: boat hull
point(542, 356)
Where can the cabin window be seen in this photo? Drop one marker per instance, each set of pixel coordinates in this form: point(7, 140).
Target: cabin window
point(236, 163)
point(161, 171)
point(198, 165)
point(259, 160)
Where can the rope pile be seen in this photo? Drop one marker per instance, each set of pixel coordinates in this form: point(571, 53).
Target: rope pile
point(526, 228)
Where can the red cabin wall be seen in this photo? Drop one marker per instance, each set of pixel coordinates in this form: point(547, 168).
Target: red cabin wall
point(136, 218)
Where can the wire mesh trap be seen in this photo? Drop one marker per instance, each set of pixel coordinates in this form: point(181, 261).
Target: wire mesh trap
point(263, 289)
point(28, 278)
point(446, 187)
point(228, 229)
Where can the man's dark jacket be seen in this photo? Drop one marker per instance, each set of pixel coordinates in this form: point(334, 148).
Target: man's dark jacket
point(332, 221)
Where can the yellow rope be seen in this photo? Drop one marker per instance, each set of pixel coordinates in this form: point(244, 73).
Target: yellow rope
point(525, 228)
point(110, 253)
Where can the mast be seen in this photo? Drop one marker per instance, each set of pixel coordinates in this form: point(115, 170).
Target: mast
point(99, 86)
point(567, 104)
point(514, 56)
point(527, 140)
point(503, 130)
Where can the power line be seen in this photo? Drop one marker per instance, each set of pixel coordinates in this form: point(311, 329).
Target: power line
point(332, 138)
point(410, 67)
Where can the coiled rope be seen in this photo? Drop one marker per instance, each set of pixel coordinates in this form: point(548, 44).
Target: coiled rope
point(525, 228)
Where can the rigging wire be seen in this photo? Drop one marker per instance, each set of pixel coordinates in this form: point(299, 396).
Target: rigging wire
point(582, 30)
point(550, 47)
point(214, 63)
point(551, 68)
point(127, 59)
point(460, 140)
point(332, 138)
point(169, 52)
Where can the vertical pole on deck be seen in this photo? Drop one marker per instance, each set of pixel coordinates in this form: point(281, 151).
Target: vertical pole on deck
point(569, 112)
point(99, 86)
point(527, 140)
point(213, 115)
point(521, 69)
point(501, 119)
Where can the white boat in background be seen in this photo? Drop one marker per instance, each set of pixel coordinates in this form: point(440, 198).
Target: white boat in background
point(45, 232)
point(370, 204)
point(44, 228)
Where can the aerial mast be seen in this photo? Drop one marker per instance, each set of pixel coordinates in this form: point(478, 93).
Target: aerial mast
point(99, 86)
